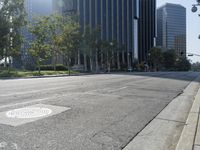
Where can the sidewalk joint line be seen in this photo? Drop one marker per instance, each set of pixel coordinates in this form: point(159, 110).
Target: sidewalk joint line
point(172, 120)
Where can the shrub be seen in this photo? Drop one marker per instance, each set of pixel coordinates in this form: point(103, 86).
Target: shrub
point(59, 67)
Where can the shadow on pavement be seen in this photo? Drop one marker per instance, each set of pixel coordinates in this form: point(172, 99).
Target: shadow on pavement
point(187, 76)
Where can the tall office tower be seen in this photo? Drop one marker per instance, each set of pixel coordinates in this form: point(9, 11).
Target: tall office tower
point(147, 28)
point(171, 25)
point(119, 21)
point(34, 8)
point(116, 19)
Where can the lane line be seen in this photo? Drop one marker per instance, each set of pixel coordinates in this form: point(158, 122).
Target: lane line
point(115, 90)
point(23, 103)
point(33, 91)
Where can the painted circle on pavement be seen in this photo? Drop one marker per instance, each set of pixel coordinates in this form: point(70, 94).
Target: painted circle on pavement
point(28, 113)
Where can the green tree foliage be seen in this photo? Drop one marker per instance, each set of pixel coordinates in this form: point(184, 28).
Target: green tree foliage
point(40, 48)
point(183, 64)
point(155, 58)
point(12, 18)
point(169, 59)
point(196, 66)
point(92, 42)
point(54, 27)
point(4, 30)
point(70, 38)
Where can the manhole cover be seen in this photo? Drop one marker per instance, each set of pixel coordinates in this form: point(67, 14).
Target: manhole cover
point(28, 113)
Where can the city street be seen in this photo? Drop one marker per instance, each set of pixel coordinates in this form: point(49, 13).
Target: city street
point(91, 112)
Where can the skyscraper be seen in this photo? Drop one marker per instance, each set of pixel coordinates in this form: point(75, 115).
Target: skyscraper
point(119, 21)
point(34, 8)
point(171, 24)
point(147, 28)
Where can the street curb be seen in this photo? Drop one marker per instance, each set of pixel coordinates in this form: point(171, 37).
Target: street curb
point(188, 136)
point(163, 132)
point(45, 76)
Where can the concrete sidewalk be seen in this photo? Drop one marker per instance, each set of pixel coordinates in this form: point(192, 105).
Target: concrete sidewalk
point(190, 137)
point(173, 125)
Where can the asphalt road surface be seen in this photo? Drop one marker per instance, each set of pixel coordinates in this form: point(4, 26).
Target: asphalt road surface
point(106, 111)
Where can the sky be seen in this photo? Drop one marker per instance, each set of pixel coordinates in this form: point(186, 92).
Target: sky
point(193, 26)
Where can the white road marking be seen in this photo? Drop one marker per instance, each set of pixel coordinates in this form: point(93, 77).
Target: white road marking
point(99, 94)
point(115, 90)
point(28, 112)
point(3, 144)
point(23, 103)
point(15, 146)
point(28, 92)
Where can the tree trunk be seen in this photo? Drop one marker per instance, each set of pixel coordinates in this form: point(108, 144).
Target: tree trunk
point(97, 61)
point(54, 60)
point(68, 66)
point(10, 64)
point(39, 69)
point(128, 60)
point(5, 62)
point(102, 65)
point(85, 62)
point(118, 61)
point(91, 62)
point(123, 57)
point(113, 58)
point(108, 63)
point(76, 59)
point(79, 58)
point(133, 59)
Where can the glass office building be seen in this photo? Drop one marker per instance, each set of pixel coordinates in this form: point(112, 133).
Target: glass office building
point(34, 8)
point(115, 17)
point(171, 24)
point(147, 28)
point(129, 22)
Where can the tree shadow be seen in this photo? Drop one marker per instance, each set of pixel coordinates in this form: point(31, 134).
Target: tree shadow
point(186, 76)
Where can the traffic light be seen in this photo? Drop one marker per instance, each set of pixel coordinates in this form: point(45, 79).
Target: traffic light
point(194, 8)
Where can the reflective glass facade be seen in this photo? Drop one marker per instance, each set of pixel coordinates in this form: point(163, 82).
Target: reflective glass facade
point(147, 27)
point(130, 22)
point(33, 8)
point(115, 17)
point(172, 28)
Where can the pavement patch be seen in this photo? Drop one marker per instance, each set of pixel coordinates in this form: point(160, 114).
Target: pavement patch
point(17, 117)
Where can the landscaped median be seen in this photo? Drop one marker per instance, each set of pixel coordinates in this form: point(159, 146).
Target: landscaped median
point(13, 73)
